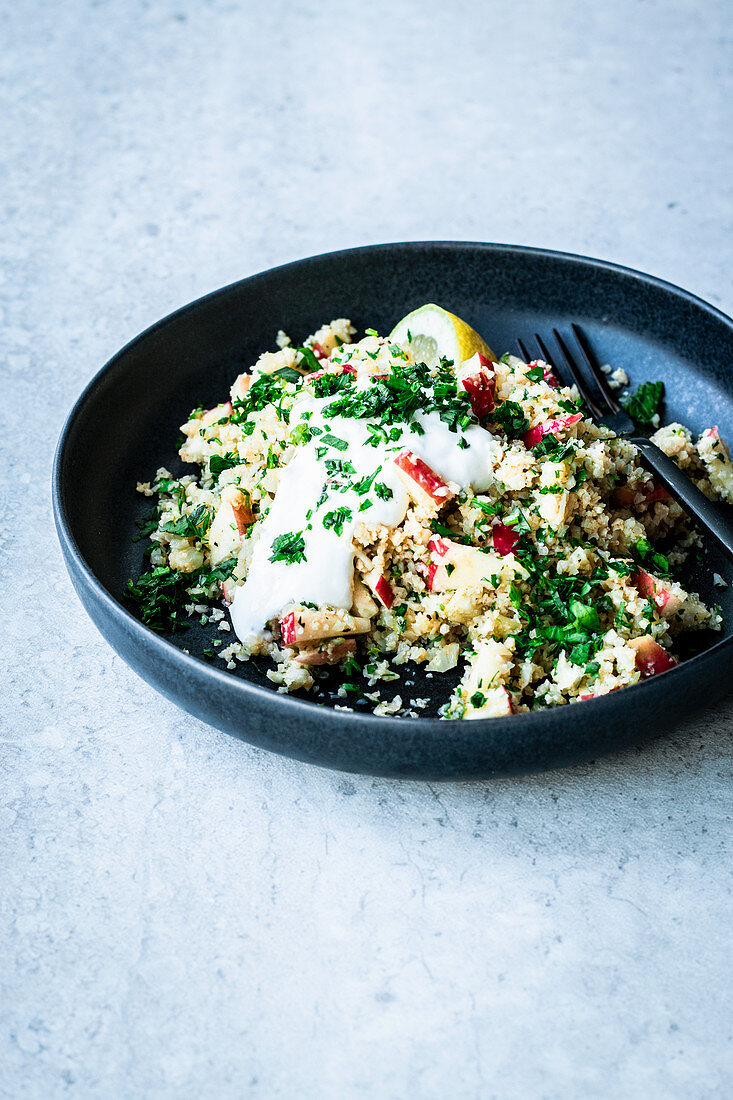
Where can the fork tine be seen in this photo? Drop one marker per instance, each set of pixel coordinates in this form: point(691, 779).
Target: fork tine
point(544, 354)
point(580, 382)
point(523, 351)
point(594, 368)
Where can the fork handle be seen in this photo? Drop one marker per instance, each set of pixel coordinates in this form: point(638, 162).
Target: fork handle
point(710, 516)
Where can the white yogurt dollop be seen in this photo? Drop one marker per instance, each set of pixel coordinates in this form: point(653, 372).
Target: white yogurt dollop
point(307, 492)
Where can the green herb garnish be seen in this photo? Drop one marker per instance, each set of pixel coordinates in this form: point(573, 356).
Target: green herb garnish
point(644, 405)
point(289, 547)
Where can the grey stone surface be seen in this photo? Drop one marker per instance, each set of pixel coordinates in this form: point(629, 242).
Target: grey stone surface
point(182, 915)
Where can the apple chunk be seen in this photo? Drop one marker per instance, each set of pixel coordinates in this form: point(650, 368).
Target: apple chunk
point(551, 427)
point(504, 538)
point(381, 588)
point(423, 484)
point(651, 658)
point(494, 703)
point(453, 566)
point(231, 520)
point(659, 592)
point(305, 624)
point(477, 377)
point(483, 692)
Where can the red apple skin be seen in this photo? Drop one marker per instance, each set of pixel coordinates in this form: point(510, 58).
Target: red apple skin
point(438, 549)
point(504, 539)
point(417, 473)
point(656, 492)
point(383, 592)
point(480, 385)
point(551, 427)
point(665, 601)
point(243, 516)
point(598, 695)
point(547, 373)
point(227, 590)
point(651, 658)
point(647, 586)
point(287, 629)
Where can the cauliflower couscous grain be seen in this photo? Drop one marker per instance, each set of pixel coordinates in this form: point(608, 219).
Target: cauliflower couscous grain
point(355, 506)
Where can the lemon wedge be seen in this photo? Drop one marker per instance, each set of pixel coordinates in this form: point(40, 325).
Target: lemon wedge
point(432, 333)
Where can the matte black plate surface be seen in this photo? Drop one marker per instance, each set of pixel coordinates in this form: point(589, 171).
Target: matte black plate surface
point(125, 425)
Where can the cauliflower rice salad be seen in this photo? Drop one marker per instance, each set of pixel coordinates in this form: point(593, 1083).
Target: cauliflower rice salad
point(357, 506)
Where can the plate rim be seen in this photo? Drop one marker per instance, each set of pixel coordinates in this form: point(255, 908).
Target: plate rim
point(188, 663)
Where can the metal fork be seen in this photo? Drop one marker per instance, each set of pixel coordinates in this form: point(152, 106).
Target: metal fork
point(614, 416)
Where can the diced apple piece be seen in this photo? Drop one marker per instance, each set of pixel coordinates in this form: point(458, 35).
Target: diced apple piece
point(497, 703)
point(363, 606)
point(240, 386)
point(548, 375)
point(209, 418)
point(659, 592)
point(477, 377)
point(625, 495)
point(381, 588)
point(651, 658)
point(227, 528)
point(329, 654)
point(424, 486)
point(454, 566)
point(483, 691)
point(305, 624)
point(551, 427)
point(597, 694)
point(555, 509)
point(239, 502)
point(654, 492)
point(504, 539)
point(227, 589)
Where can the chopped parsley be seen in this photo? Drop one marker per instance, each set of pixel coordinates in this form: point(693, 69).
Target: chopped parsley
point(644, 405)
point(335, 520)
point(192, 526)
point(161, 595)
point(288, 547)
point(510, 416)
point(334, 441)
point(219, 463)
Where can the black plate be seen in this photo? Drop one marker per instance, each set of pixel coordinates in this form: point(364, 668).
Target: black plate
point(125, 425)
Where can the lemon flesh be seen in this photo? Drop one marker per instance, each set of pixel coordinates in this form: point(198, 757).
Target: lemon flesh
point(432, 334)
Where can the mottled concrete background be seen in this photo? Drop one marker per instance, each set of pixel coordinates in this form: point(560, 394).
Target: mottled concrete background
point(184, 916)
